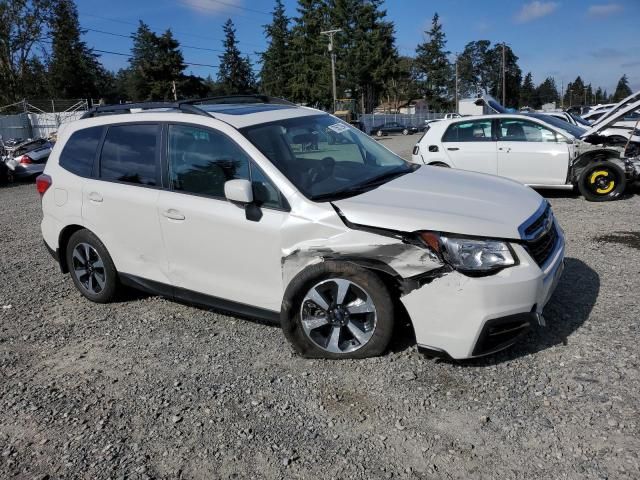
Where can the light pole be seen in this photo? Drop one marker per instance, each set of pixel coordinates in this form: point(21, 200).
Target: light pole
point(504, 78)
point(330, 34)
point(456, 106)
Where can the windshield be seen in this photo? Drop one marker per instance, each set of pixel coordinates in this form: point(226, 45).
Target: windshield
point(579, 119)
point(326, 158)
point(561, 124)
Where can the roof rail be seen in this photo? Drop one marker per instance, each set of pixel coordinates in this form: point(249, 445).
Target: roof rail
point(127, 107)
point(236, 99)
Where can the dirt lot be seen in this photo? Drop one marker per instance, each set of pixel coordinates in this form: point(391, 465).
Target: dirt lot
point(148, 388)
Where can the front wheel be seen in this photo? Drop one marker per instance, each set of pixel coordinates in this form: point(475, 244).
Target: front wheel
point(405, 132)
point(379, 133)
point(337, 310)
point(602, 182)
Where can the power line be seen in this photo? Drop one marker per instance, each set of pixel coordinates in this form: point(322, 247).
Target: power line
point(187, 34)
point(131, 36)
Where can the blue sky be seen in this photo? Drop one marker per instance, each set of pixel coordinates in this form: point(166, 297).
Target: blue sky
point(597, 39)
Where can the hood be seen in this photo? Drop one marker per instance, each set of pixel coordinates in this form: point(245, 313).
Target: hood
point(445, 200)
point(629, 104)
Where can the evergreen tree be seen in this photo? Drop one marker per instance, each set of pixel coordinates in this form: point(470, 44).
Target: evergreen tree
point(474, 75)
point(528, 92)
point(365, 49)
point(513, 74)
point(574, 94)
point(600, 97)
point(276, 63)
point(22, 26)
point(433, 65)
point(74, 71)
point(310, 79)
point(622, 89)
point(547, 92)
point(234, 74)
point(156, 64)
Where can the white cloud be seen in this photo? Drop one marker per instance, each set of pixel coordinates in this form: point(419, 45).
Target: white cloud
point(212, 7)
point(604, 9)
point(534, 10)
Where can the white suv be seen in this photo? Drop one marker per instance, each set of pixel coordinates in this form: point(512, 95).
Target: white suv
point(286, 213)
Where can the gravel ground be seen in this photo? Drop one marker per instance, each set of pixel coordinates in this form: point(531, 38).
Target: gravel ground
point(149, 388)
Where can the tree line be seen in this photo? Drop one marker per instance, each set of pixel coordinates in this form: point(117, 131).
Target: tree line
point(42, 54)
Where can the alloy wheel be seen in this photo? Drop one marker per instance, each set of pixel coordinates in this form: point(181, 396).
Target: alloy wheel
point(88, 268)
point(338, 315)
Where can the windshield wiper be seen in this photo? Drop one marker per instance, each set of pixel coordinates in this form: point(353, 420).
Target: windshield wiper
point(365, 186)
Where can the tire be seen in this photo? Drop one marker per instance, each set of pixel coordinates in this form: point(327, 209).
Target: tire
point(100, 282)
point(340, 333)
point(602, 182)
point(379, 133)
point(439, 164)
point(405, 132)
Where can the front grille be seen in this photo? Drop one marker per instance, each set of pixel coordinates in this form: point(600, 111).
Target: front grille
point(541, 248)
point(538, 225)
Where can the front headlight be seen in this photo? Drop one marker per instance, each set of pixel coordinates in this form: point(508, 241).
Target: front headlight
point(472, 256)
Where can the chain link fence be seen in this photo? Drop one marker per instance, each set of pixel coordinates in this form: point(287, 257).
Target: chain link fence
point(38, 118)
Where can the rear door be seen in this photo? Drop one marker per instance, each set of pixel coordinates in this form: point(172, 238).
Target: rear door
point(531, 153)
point(120, 203)
point(470, 146)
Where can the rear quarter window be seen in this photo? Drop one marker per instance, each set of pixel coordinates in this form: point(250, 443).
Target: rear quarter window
point(80, 150)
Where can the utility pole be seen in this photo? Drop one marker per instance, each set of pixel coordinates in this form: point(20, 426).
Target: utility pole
point(585, 96)
point(562, 93)
point(456, 105)
point(330, 34)
point(504, 78)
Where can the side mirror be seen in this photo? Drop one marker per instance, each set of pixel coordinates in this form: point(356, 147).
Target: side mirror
point(238, 191)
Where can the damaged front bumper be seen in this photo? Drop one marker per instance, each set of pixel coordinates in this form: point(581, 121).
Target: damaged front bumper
point(465, 317)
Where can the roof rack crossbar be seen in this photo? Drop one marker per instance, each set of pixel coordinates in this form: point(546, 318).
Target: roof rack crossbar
point(238, 99)
point(127, 107)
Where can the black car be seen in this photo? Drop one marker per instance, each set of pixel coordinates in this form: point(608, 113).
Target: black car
point(394, 127)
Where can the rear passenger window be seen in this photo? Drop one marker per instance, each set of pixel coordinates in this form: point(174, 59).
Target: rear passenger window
point(129, 154)
point(473, 131)
point(80, 151)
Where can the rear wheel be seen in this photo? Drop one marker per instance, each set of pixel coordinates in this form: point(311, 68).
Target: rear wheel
point(439, 164)
point(405, 132)
point(379, 133)
point(602, 182)
point(91, 267)
point(338, 310)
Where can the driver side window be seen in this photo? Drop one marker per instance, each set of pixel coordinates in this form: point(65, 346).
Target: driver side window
point(201, 161)
point(516, 130)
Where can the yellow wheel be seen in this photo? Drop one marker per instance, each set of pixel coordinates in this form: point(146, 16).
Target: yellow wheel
point(602, 181)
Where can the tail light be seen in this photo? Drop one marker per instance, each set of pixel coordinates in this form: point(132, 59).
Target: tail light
point(43, 182)
point(25, 160)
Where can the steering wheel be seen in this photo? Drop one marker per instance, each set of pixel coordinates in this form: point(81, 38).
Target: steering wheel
point(319, 172)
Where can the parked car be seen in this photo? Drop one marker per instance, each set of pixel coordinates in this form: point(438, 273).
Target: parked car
point(217, 204)
point(394, 127)
point(616, 135)
point(26, 158)
point(534, 149)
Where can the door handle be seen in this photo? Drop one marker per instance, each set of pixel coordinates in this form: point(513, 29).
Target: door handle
point(508, 149)
point(173, 214)
point(453, 149)
point(95, 197)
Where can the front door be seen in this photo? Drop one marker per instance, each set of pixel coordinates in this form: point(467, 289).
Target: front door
point(531, 153)
point(470, 146)
point(215, 247)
